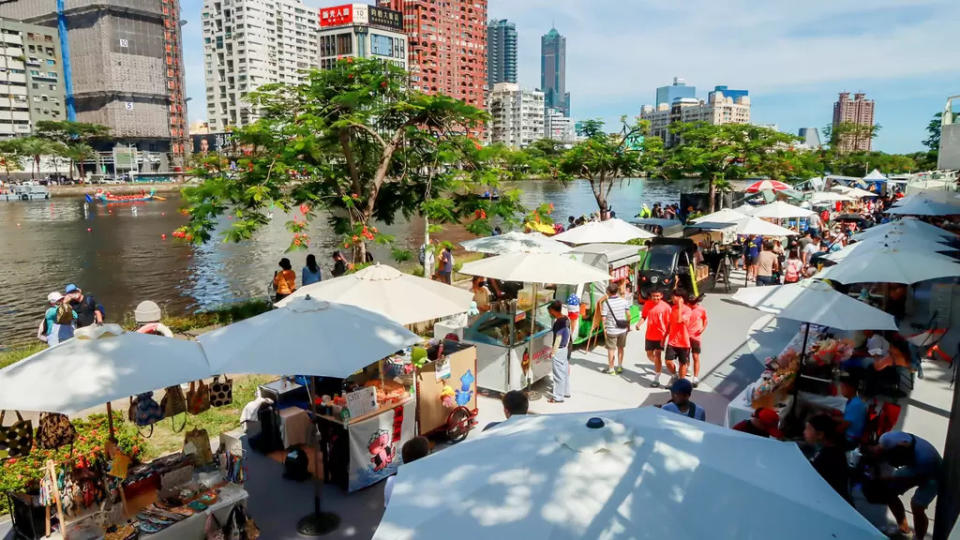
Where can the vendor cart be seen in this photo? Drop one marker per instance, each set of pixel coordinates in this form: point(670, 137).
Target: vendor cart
point(447, 392)
point(503, 344)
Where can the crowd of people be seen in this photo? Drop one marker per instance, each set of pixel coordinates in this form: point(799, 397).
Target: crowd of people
point(67, 312)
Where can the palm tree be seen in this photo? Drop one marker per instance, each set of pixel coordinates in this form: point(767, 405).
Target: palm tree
point(35, 147)
point(78, 153)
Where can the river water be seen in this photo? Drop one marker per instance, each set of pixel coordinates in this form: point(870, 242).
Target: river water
point(117, 253)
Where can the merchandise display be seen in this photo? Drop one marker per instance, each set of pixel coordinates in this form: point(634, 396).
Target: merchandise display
point(504, 343)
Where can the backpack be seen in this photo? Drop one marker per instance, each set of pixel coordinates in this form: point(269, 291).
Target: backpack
point(64, 313)
point(791, 272)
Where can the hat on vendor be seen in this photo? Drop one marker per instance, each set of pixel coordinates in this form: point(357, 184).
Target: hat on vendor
point(769, 421)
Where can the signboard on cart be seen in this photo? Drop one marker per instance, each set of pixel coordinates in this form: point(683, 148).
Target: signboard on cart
point(375, 444)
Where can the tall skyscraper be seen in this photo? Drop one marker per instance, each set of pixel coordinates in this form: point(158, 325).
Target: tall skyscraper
point(857, 111)
point(123, 68)
point(447, 46)
point(553, 71)
point(501, 52)
point(250, 43)
point(678, 90)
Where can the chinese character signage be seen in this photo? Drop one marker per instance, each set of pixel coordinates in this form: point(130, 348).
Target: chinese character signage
point(336, 16)
point(385, 18)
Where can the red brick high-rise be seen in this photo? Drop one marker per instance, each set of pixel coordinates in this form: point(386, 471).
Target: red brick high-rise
point(859, 112)
point(447, 50)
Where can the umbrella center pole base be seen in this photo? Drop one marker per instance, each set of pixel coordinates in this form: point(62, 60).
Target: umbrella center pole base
point(318, 524)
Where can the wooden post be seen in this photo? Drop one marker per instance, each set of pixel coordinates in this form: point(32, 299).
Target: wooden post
point(51, 470)
point(113, 437)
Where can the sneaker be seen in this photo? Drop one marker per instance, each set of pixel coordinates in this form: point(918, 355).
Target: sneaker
point(656, 381)
point(609, 370)
point(618, 370)
point(695, 381)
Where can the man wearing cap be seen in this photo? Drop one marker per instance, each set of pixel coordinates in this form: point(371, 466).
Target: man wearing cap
point(680, 401)
point(917, 464)
point(765, 422)
point(88, 310)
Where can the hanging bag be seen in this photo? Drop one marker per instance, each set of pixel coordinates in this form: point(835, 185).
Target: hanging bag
point(172, 404)
point(16, 440)
point(197, 443)
point(221, 393)
point(623, 325)
point(55, 431)
point(198, 397)
point(145, 411)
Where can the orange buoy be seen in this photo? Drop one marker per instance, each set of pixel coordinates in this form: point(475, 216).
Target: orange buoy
point(89, 229)
point(163, 236)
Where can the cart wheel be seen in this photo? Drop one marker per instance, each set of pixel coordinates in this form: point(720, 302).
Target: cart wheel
point(458, 424)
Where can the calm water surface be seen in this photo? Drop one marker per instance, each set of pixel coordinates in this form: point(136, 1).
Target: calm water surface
point(117, 254)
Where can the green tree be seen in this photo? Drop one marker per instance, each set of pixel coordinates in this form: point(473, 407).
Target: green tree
point(35, 148)
point(603, 159)
point(11, 150)
point(355, 140)
point(78, 153)
point(719, 153)
point(66, 132)
point(846, 137)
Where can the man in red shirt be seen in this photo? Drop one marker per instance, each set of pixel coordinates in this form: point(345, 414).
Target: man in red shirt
point(695, 327)
point(655, 313)
point(678, 338)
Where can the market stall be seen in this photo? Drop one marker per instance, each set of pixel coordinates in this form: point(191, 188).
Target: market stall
point(503, 342)
point(447, 390)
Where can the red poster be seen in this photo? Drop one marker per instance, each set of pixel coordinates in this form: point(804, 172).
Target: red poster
point(337, 15)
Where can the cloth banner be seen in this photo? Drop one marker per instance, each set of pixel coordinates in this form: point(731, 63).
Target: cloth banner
point(375, 444)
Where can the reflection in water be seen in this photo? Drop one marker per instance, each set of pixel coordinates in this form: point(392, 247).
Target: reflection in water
point(116, 252)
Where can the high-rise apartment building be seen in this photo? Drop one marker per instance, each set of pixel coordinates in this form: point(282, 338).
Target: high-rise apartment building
point(857, 111)
point(678, 90)
point(250, 43)
point(501, 52)
point(31, 77)
point(553, 71)
point(125, 66)
point(728, 92)
point(362, 31)
point(558, 127)
point(719, 109)
point(447, 46)
point(516, 115)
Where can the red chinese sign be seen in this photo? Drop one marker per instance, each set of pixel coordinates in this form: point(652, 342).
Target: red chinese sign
point(620, 273)
point(337, 15)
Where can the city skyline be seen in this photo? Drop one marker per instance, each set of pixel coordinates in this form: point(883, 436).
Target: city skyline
point(785, 54)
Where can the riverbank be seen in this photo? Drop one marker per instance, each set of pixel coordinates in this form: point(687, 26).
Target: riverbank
point(119, 189)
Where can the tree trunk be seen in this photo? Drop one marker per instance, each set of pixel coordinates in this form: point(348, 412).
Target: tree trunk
point(713, 194)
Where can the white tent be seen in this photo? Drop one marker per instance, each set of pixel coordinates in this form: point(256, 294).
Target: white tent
point(826, 197)
point(927, 203)
point(725, 215)
point(754, 225)
point(855, 192)
point(782, 210)
point(816, 302)
point(611, 231)
point(891, 265)
point(307, 337)
point(401, 297)
point(100, 364)
point(746, 209)
point(644, 474)
point(874, 176)
point(535, 268)
point(515, 242)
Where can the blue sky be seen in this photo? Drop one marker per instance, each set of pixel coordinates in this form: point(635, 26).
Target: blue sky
point(794, 57)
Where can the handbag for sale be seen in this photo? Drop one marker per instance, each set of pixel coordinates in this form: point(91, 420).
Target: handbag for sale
point(145, 411)
point(197, 443)
point(198, 397)
point(172, 404)
point(55, 431)
point(16, 440)
point(221, 393)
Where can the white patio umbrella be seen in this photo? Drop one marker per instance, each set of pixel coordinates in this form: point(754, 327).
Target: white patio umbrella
point(893, 241)
point(816, 302)
point(908, 226)
point(874, 176)
point(755, 225)
point(825, 197)
point(724, 215)
point(307, 337)
point(891, 265)
point(638, 476)
point(746, 209)
point(927, 203)
point(782, 210)
point(401, 297)
point(611, 231)
point(99, 365)
point(855, 192)
point(535, 268)
point(515, 242)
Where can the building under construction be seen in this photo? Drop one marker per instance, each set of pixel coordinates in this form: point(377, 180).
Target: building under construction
point(123, 64)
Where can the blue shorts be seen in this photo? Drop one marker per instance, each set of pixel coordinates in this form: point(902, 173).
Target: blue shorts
point(926, 488)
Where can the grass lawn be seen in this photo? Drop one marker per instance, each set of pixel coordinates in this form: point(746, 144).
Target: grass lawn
point(15, 355)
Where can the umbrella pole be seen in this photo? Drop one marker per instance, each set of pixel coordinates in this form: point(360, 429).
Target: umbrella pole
point(318, 523)
point(531, 394)
point(113, 437)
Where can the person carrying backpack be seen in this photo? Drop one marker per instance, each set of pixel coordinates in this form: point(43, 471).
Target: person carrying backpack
point(85, 307)
point(49, 316)
point(792, 267)
point(680, 401)
point(62, 319)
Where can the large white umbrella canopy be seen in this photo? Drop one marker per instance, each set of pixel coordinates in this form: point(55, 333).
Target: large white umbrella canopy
point(782, 210)
point(98, 365)
point(401, 297)
point(894, 241)
point(535, 268)
point(927, 203)
point(908, 226)
point(725, 215)
point(822, 197)
point(755, 225)
point(643, 475)
point(855, 192)
point(875, 175)
point(746, 209)
point(611, 231)
point(307, 337)
point(515, 242)
point(889, 264)
point(816, 302)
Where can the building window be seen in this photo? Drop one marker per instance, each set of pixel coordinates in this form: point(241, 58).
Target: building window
point(344, 44)
point(51, 62)
point(381, 45)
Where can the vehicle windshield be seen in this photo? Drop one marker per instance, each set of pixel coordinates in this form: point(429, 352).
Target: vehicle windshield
point(661, 258)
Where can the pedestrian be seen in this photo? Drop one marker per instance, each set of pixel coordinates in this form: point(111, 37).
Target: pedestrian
point(766, 265)
point(88, 310)
point(515, 403)
point(680, 403)
point(311, 272)
point(656, 313)
point(815, 223)
point(497, 231)
point(284, 280)
point(339, 264)
point(854, 412)
point(481, 294)
point(571, 222)
point(916, 464)
point(696, 324)
point(764, 422)
point(561, 342)
point(64, 320)
point(411, 451)
point(616, 324)
point(677, 344)
point(446, 266)
point(754, 243)
point(811, 249)
point(49, 316)
point(829, 459)
point(793, 267)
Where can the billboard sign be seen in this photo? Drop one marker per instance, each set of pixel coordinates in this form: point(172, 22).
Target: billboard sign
point(385, 18)
point(336, 15)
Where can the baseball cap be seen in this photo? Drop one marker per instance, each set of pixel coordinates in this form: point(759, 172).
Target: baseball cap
point(770, 421)
point(70, 288)
point(682, 386)
point(54, 297)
